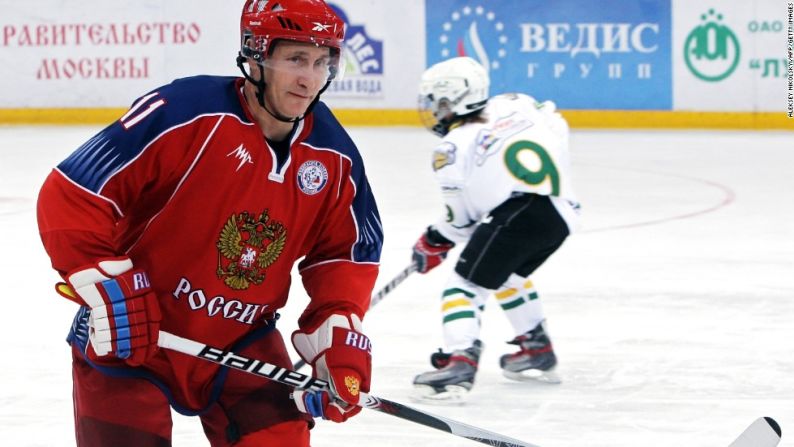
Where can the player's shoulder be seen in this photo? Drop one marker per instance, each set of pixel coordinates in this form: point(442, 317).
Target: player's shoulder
point(511, 101)
point(328, 133)
point(508, 111)
point(187, 98)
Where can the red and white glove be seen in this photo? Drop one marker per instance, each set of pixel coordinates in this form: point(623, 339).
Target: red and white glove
point(340, 353)
point(430, 250)
point(125, 315)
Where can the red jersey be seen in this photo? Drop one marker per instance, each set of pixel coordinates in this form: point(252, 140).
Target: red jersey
point(186, 185)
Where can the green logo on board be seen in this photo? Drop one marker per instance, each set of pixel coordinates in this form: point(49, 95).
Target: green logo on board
point(711, 50)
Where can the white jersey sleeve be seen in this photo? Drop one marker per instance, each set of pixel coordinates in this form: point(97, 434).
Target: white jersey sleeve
point(457, 222)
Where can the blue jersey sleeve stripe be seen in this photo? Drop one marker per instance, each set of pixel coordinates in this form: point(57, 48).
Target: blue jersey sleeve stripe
point(89, 166)
point(370, 239)
point(86, 152)
point(106, 170)
point(82, 159)
point(372, 232)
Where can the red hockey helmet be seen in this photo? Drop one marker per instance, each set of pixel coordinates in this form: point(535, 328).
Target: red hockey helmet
point(266, 21)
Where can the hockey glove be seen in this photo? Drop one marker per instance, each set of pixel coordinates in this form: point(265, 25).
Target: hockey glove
point(340, 353)
point(125, 314)
point(430, 250)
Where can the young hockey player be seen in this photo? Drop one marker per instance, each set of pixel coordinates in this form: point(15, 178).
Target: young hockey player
point(188, 214)
point(504, 174)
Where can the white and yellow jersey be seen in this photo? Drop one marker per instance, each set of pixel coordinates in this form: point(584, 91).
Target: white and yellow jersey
point(520, 147)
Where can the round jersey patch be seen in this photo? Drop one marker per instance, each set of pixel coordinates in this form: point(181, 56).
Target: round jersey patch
point(312, 177)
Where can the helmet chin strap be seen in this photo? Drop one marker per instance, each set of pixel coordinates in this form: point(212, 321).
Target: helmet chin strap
point(260, 92)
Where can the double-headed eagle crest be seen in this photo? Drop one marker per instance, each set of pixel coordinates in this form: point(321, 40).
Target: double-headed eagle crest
point(249, 245)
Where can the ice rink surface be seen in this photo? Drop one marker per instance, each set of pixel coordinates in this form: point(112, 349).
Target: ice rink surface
point(671, 311)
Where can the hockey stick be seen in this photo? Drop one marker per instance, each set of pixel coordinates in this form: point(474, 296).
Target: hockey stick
point(763, 432)
point(406, 272)
point(387, 289)
point(298, 380)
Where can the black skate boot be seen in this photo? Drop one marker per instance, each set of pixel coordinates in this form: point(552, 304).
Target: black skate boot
point(535, 360)
point(452, 379)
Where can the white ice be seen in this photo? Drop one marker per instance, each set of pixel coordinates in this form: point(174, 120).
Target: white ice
point(672, 311)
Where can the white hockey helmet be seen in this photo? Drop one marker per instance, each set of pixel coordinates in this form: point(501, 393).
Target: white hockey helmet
point(449, 90)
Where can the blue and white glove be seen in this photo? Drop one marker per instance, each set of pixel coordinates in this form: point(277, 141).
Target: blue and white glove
point(125, 315)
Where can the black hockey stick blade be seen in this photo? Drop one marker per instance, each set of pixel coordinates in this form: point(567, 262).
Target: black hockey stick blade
point(298, 380)
point(763, 432)
point(406, 272)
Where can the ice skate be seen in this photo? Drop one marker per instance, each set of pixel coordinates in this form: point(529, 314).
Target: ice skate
point(534, 362)
point(453, 378)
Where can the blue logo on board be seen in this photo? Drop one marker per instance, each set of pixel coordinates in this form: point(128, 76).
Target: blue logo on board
point(363, 62)
point(476, 32)
point(613, 54)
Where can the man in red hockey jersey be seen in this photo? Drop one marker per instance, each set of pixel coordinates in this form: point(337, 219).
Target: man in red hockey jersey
point(188, 214)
